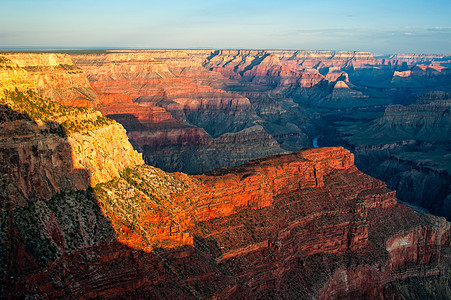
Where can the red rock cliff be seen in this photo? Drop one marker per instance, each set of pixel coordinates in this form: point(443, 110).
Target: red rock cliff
point(82, 217)
point(177, 103)
point(55, 76)
point(307, 223)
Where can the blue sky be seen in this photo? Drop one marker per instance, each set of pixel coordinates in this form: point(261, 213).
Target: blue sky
point(378, 26)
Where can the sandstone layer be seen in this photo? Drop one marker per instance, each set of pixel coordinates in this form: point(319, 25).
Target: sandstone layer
point(288, 225)
point(81, 215)
point(52, 148)
point(177, 103)
point(195, 110)
point(408, 147)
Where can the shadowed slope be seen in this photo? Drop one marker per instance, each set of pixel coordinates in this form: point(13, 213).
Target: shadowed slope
point(302, 225)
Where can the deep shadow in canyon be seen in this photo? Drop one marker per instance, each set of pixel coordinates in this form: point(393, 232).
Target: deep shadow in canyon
point(301, 225)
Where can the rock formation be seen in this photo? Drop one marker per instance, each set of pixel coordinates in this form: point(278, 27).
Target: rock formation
point(285, 225)
point(408, 148)
point(161, 97)
point(260, 68)
point(41, 149)
point(195, 110)
point(414, 59)
point(196, 116)
point(82, 216)
point(190, 101)
point(55, 76)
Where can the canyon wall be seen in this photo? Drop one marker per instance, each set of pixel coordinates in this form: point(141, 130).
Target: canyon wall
point(161, 98)
point(408, 147)
point(193, 100)
point(55, 76)
point(52, 147)
point(82, 216)
point(195, 110)
point(286, 225)
point(202, 122)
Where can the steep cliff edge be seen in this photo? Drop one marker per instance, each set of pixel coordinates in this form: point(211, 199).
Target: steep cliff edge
point(81, 216)
point(408, 147)
point(285, 225)
point(53, 148)
point(55, 76)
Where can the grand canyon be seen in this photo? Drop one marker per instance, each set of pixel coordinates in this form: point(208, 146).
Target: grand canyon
point(225, 174)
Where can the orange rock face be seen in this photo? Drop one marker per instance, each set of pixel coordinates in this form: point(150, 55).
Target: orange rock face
point(82, 217)
point(257, 186)
point(306, 223)
point(169, 99)
point(261, 68)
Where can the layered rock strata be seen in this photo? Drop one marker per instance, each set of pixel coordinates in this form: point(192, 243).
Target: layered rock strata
point(61, 148)
point(55, 76)
point(192, 100)
point(287, 225)
point(196, 116)
point(408, 147)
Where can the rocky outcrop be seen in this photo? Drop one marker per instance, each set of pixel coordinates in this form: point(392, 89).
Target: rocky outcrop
point(193, 150)
point(328, 59)
point(176, 104)
point(53, 148)
point(286, 225)
point(261, 68)
point(309, 77)
point(413, 59)
point(257, 189)
point(39, 166)
point(12, 76)
point(168, 207)
point(55, 76)
point(410, 251)
point(416, 170)
point(171, 80)
point(423, 76)
point(104, 152)
point(437, 72)
point(407, 148)
point(341, 92)
point(426, 121)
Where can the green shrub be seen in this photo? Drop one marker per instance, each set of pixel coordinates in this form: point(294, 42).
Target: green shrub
point(69, 118)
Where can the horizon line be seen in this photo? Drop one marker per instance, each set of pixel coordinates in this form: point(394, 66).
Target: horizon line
point(68, 49)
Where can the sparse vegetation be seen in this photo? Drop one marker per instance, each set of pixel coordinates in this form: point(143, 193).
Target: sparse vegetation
point(5, 63)
point(30, 221)
point(61, 119)
point(138, 192)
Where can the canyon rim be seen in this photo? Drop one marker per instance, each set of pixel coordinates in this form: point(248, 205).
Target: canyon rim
point(88, 208)
point(225, 149)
